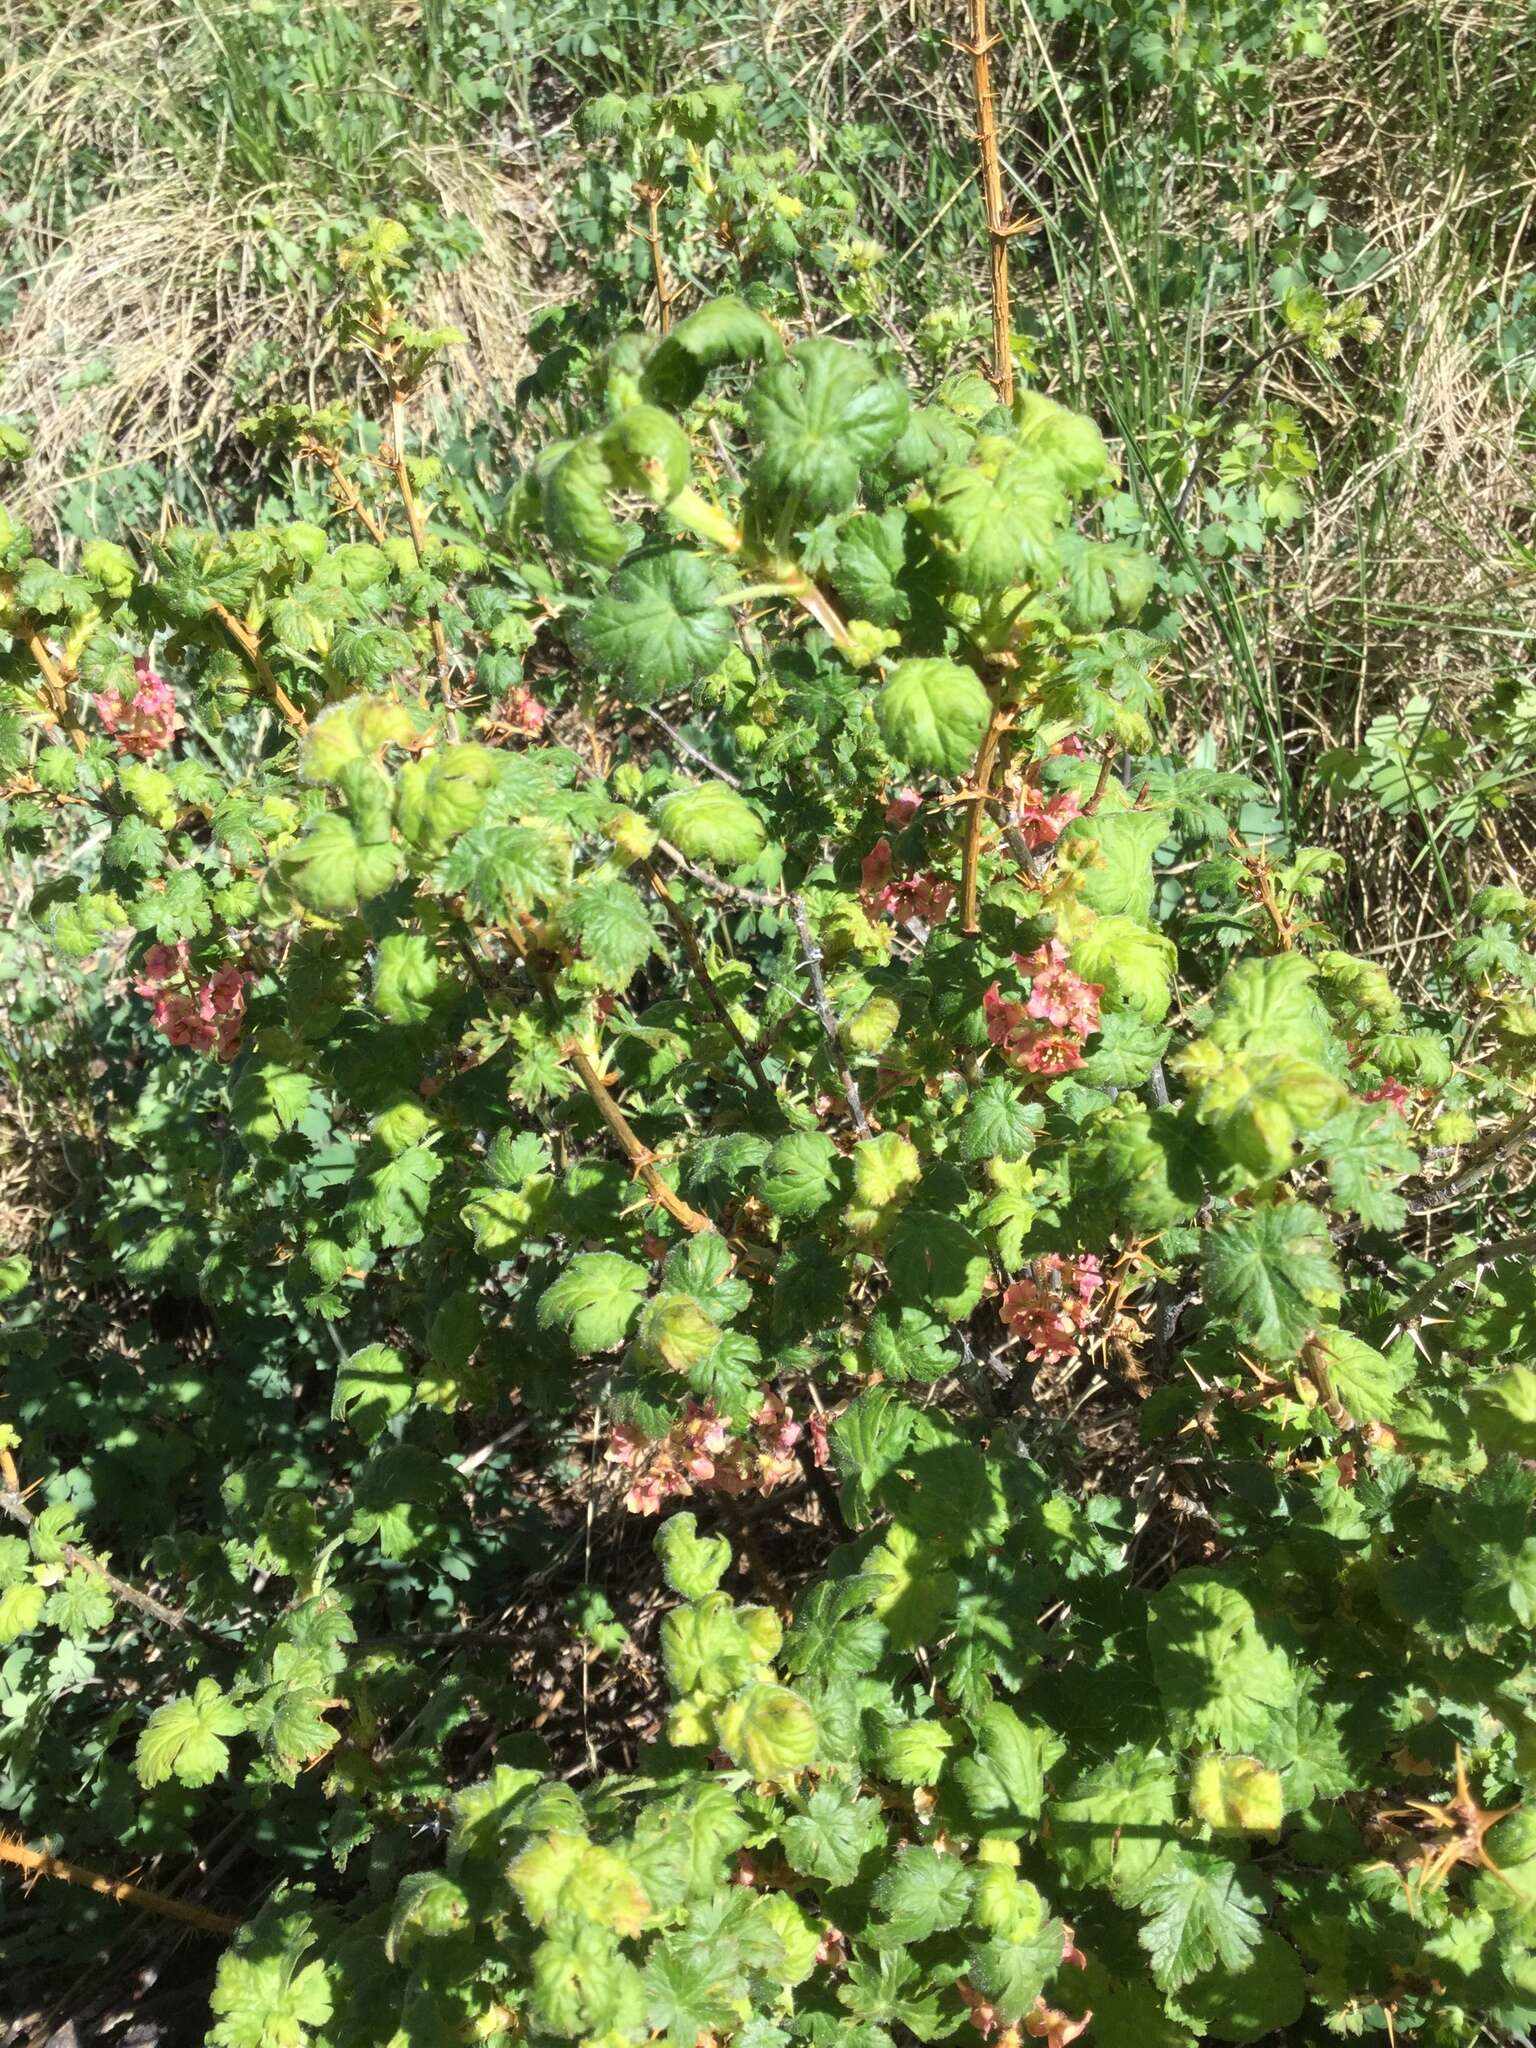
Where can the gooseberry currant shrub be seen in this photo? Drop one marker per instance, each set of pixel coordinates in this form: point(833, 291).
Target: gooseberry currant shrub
point(729, 970)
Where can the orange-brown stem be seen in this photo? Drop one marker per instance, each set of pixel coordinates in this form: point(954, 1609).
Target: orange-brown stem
point(979, 48)
point(986, 760)
point(55, 689)
point(39, 1863)
point(348, 498)
point(1106, 762)
point(1258, 867)
point(652, 196)
point(417, 525)
point(249, 645)
point(639, 1154)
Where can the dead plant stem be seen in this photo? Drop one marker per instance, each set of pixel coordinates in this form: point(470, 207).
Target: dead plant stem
point(413, 519)
point(979, 49)
point(981, 779)
point(39, 1863)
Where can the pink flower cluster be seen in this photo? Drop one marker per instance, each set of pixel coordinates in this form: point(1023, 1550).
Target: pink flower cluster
point(146, 721)
point(523, 712)
point(1043, 819)
point(1044, 1034)
point(927, 897)
point(1391, 1092)
point(1042, 2022)
point(700, 1452)
point(207, 1015)
point(1051, 1311)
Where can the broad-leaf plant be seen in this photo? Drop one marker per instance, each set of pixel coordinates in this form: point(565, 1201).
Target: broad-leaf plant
point(731, 973)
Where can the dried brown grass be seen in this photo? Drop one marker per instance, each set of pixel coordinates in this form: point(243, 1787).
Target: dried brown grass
point(157, 287)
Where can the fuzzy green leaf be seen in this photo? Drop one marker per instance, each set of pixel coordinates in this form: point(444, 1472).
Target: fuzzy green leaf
point(661, 626)
point(185, 1738)
point(711, 822)
point(934, 714)
point(595, 1300)
point(823, 416)
point(1271, 1273)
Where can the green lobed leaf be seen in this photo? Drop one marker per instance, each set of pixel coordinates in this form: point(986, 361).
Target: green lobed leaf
point(662, 624)
point(1271, 1273)
point(933, 713)
point(822, 417)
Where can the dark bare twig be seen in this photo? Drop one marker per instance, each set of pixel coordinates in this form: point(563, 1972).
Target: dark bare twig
point(694, 753)
point(680, 922)
point(1469, 1262)
point(13, 1505)
point(811, 959)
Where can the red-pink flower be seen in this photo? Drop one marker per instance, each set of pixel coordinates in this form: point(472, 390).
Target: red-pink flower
point(1071, 745)
point(1391, 1092)
point(1057, 2029)
point(821, 1451)
point(1051, 1311)
point(700, 1452)
point(523, 712)
point(144, 722)
point(703, 1440)
point(875, 868)
point(626, 1446)
point(204, 1015)
point(926, 897)
point(1044, 1033)
point(830, 1948)
point(903, 808)
point(1042, 820)
point(1056, 995)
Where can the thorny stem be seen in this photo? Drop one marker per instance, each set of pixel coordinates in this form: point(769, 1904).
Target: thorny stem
point(1469, 1262)
point(639, 1155)
point(250, 646)
point(1106, 762)
point(999, 229)
point(1258, 868)
point(1479, 1162)
point(812, 961)
point(12, 1504)
point(55, 688)
point(981, 779)
point(764, 899)
point(682, 925)
point(687, 747)
point(348, 497)
point(417, 525)
point(652, 196)
point(39, 1863)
